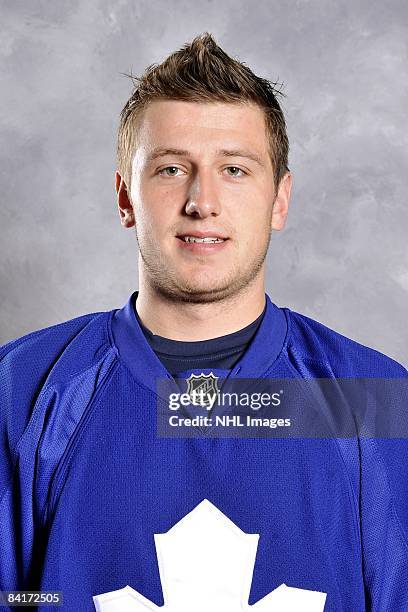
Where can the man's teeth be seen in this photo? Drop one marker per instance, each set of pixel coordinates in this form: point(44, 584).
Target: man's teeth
point(206, 239)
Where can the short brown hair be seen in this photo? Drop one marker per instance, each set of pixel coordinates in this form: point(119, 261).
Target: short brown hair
point(202, 72)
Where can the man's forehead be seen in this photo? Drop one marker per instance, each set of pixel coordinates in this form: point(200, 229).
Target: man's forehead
point(183, 128)
point(179, 115)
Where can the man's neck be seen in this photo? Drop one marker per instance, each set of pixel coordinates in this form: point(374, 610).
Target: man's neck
point(190, 322)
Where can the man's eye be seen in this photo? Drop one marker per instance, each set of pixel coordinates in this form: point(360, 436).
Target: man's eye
point(235, 171)
point(173, 171)
point(169, 171)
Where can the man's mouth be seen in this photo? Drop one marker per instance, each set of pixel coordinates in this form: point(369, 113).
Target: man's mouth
point(210, 239)
point(203, 243)
point(210, 236)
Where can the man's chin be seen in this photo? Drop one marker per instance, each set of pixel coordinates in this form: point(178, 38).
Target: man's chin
point(198, 293)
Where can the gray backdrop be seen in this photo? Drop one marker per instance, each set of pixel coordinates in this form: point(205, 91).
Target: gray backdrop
point(343, 258)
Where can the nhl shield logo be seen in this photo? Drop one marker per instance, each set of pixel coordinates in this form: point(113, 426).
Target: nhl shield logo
point(201, 388)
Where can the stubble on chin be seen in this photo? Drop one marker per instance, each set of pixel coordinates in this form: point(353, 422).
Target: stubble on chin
point(199, 289)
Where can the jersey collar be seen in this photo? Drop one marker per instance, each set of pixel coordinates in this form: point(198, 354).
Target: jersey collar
point(135, 351)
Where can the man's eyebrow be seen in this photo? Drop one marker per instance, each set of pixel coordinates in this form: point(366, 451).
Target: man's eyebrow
point(241, 153)
point(161, 152)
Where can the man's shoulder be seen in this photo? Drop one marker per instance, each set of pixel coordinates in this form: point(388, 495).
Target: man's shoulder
point(47, 363)
point(37, 352)
point(316, 343)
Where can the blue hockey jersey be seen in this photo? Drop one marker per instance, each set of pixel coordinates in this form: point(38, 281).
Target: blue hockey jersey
point(95, 504)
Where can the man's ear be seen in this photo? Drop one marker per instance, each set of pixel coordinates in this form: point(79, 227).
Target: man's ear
point(125, 207)
point(281, 204)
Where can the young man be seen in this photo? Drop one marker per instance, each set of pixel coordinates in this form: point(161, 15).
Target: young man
point(98, 504)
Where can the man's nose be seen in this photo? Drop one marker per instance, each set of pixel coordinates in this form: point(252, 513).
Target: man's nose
point(203, 195)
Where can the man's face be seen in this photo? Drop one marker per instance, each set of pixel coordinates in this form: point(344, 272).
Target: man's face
point(202, 170)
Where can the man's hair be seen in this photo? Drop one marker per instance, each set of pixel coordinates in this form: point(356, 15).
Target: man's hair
point(202, 72)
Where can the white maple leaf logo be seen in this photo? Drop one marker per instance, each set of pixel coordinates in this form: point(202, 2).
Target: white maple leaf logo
point(206, 564)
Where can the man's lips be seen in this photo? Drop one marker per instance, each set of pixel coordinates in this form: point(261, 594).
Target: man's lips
point(206, 247)
point(206, 234)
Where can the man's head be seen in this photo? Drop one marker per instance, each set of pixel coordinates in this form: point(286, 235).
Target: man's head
point(202, 151)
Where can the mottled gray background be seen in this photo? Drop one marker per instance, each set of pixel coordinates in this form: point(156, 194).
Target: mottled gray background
point(343, 258)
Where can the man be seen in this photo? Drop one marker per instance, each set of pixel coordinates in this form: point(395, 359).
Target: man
point(99, 504)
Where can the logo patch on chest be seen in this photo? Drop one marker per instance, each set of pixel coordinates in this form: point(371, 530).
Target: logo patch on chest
point(206, 564)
